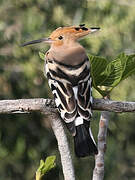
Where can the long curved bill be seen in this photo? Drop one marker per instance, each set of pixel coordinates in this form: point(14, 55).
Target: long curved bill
point(47, 40)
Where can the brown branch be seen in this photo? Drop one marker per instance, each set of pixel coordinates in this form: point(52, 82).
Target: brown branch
point(66, 160)
point(48, 105)
point(98, 173)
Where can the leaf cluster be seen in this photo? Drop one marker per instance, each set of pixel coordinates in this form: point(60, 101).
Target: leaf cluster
point(107, 75)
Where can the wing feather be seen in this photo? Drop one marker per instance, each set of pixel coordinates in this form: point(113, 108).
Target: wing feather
point(83, 99)
point(65, 99)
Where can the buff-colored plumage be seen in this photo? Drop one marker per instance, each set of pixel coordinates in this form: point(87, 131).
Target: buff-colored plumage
point(67, 68)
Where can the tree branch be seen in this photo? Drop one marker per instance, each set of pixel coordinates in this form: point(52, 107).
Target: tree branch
point(98, 173)
point(48, 105)
point(67, 165)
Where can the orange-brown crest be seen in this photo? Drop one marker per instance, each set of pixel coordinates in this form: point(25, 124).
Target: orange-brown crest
point(75, 32)
point(64, 34)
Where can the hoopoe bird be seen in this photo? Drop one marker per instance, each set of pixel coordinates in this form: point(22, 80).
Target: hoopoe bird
point(67, 69)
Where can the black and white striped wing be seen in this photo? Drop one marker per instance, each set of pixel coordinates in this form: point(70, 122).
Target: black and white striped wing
point(84, 99)
point(64, 99)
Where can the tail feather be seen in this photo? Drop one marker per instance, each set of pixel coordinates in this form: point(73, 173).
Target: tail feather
point(84, 142)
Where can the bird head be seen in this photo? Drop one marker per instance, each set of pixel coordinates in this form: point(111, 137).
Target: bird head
point(64, 35)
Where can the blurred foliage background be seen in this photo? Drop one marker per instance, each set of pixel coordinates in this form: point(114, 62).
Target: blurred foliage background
point(25, 139)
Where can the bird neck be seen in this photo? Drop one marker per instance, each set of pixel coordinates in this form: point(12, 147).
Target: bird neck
point(71, 55)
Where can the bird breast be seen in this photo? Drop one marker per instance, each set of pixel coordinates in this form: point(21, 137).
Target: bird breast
point(70, 56)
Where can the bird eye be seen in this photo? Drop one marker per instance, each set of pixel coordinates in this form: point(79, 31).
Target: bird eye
point(60, 37)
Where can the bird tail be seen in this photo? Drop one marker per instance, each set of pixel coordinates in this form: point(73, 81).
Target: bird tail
point(83, 141)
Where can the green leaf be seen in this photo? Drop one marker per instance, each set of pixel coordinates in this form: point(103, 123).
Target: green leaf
point(98, 65)
point(49, 163)
point(106, 75)
point(42, 55)
point(130, 67)
point(112, 74)
point(45, 166)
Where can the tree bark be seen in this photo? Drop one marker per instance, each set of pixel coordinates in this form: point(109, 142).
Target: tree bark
point(66, 160)
point(48, 105)
point(98, 173)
